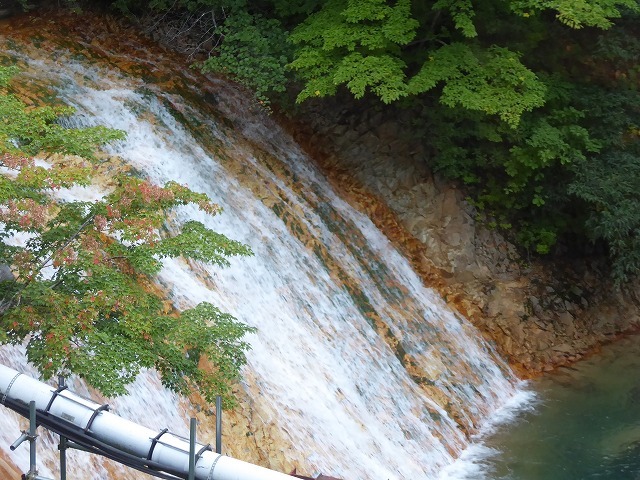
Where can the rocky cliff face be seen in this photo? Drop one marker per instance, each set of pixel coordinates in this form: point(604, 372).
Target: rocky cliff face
point(542, 313)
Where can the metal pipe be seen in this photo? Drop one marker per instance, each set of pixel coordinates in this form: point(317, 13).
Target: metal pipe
point(32, 440)
point(63, 457)
point(63, 445)
point(219, 425)
point(119, 438)
point(18, 442)
point(192, 449)
point(76, 446)
point(32, 474)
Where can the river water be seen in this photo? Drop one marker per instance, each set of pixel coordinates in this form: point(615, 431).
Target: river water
point(584, 423)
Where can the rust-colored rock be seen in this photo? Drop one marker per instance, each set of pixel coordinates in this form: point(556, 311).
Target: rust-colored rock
point(8, 469)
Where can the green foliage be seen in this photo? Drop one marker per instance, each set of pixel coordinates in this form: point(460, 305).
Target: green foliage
point(199, 243)
point(6, 73)
point(520, 100)
point(618, 46)
point(578, 13)
point(254, 52)
point(83, 296)
point(610, 184)
point(355, 43)
point(371, 46)
point(519, 175)
point(31, 130)
point(492, 81)
point(462, 12)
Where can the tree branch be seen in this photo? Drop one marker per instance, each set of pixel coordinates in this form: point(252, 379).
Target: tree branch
point(15, 299)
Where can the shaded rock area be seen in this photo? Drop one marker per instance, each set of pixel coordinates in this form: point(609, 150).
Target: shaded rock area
point(8, 8)
point(541, 313)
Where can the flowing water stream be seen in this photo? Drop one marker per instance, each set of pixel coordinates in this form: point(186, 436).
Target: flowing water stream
point(364, 371)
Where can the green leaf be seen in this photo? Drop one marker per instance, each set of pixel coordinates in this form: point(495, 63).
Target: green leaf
point(97, 313)
point(493, 81)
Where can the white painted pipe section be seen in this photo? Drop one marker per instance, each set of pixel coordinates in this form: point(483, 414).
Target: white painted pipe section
point(169, 450)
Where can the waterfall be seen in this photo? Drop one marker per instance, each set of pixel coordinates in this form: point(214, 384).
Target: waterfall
point(365, 373)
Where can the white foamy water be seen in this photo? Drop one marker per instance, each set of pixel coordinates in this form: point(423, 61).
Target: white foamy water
point(363, 368)
point(474, 462)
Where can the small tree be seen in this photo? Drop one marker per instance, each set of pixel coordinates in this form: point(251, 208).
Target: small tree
point(80, 291)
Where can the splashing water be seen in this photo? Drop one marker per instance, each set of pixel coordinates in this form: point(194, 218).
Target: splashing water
point(364, 371)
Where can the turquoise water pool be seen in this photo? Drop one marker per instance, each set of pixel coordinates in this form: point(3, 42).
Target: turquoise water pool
point(584, 423)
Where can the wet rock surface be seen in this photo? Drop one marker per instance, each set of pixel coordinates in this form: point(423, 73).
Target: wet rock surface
point(7, 468)
point(541, 313)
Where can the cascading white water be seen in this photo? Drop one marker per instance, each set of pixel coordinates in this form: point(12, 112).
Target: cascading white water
point(359, 365)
